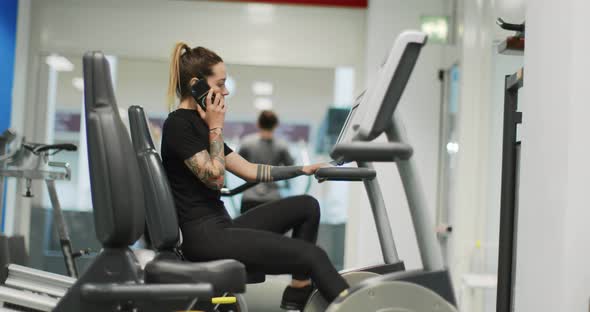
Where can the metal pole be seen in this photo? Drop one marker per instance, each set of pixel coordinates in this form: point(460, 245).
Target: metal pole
point(430, 251)
point(508, 211)
point(62, 230)
point(382, 224)
point(442, 208)
point(2, 208)
point(2, 186)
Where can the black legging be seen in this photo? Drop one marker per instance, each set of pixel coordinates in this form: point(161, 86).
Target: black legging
point(255, 239)
point(248, 205)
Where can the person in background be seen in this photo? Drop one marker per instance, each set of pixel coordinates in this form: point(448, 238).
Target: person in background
point(264, 148)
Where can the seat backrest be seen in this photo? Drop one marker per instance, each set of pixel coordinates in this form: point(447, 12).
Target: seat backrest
point(116, 184)
point(161, 217)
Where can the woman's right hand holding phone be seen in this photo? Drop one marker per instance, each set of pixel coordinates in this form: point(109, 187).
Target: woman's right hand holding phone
point(215, 114)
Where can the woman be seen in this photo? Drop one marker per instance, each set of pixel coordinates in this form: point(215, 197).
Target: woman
point(195, 159)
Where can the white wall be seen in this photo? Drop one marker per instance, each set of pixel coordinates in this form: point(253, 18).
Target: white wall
point(241, 33)
point(553, 255)
point(419, 107)
point(253, 34)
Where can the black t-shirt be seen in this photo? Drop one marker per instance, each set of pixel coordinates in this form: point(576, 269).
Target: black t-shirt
point(183, 135)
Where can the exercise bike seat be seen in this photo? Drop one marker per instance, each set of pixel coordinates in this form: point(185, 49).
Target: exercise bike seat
point(224, 275)
point(161, 217)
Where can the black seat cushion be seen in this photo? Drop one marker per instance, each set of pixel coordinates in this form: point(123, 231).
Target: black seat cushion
point(224, 275)
point(255, 277)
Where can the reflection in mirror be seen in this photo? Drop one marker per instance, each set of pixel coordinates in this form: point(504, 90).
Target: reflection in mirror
point(304, 100)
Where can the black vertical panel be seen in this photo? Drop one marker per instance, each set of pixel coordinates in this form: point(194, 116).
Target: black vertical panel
point(508, 197)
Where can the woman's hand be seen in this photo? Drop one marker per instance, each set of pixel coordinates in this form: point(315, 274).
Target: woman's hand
point(215, 114)
point(311, 169)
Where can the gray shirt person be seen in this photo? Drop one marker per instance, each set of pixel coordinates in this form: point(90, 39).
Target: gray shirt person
point(264, 148)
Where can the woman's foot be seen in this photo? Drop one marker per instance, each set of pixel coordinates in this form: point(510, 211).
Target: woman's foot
point(294, 298)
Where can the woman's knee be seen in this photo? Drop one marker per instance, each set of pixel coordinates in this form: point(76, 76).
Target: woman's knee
point(310, 205)
point(314, 255)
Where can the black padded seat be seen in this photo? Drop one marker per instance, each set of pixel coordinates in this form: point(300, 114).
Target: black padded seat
point(115, 280)
point(224, 275)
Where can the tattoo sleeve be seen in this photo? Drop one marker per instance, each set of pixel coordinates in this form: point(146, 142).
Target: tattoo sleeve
point(266, 173)
point(209, 166)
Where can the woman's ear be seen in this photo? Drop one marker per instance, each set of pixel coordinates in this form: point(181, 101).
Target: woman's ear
point(193, 81)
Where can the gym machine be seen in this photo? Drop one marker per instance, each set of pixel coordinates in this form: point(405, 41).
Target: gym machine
point(115, 280)
point(31, 161)
point(429, 289)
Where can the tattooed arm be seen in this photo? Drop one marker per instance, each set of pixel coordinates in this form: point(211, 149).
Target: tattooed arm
point(209, 166)
point(250, 172)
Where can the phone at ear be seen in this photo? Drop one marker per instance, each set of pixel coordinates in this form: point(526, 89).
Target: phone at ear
point(199, 91)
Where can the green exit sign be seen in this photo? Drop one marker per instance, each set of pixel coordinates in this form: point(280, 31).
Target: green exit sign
point(436, 27)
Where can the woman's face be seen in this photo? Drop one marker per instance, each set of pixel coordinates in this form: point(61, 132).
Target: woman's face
point(217, 80)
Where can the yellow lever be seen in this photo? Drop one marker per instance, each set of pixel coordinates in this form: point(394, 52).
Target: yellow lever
point(223, 300)
point(217, 300)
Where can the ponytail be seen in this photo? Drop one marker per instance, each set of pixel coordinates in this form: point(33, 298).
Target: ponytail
point(174, 80)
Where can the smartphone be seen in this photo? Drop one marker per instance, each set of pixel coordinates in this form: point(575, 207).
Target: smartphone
point(200, 91)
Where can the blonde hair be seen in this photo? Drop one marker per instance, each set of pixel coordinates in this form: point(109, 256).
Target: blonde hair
point(185, 64)
point(175, 72)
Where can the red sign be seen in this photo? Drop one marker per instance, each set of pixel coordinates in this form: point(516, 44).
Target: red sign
point(335, 3)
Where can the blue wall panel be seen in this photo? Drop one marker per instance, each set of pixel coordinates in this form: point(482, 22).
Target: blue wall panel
point(8, 16)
